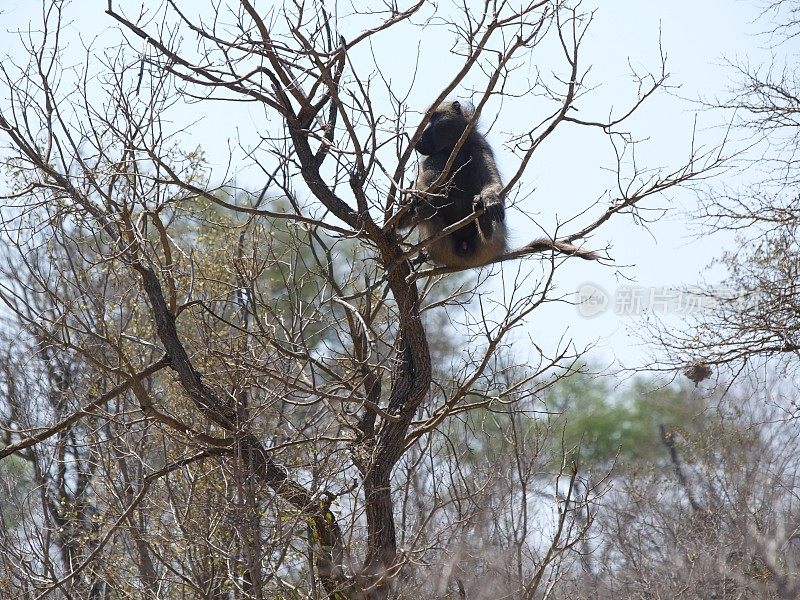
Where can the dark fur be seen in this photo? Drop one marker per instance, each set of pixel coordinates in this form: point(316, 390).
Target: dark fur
point(472, 183)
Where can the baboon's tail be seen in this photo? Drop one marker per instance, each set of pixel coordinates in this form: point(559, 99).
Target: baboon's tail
point(547, 245)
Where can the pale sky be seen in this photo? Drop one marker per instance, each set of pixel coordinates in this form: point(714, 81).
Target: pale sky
point(571, 171)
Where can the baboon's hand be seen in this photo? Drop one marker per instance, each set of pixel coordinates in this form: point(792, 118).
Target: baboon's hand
point(493, 207)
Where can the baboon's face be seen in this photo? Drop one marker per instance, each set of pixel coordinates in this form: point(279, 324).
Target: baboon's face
point(446, 126)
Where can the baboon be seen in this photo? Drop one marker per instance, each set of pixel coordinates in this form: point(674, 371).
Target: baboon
point(472, 183)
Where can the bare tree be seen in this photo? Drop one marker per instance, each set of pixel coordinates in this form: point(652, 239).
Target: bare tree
point(256, 390)
point(751, 316)
point(715, 517)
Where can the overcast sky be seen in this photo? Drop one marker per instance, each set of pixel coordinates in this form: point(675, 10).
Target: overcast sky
point(572, 170)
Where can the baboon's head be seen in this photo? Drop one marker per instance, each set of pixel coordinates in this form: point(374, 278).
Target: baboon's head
point(447, 123)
